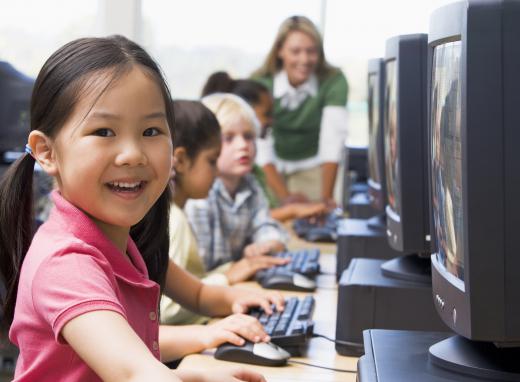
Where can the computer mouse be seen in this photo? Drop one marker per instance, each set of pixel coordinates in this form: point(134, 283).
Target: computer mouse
point(289, 281)
point(261, 353)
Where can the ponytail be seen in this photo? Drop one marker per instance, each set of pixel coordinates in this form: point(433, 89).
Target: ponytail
point(17, 222)
point(218, 82)
point(151, 235)
point(221, 82)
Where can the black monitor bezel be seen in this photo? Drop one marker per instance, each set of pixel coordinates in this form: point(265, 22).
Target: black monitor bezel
point(408, 232)
point(481, 307)
point(377, 191)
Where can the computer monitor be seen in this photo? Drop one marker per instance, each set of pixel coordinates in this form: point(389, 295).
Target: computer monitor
point(376, 160)
point(474, 166)
point(15, 98)
point(405, 142)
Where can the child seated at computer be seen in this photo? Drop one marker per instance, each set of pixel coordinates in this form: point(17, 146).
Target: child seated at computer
point(87, 292)
point(197, 147)
point(293, 206)
point(233, 222)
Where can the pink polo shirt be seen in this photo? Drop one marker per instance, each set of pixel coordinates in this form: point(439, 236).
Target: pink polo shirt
point(72, 268)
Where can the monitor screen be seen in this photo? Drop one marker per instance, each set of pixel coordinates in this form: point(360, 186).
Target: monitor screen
point(373, 128)
point(446, 157)
point(391, 141)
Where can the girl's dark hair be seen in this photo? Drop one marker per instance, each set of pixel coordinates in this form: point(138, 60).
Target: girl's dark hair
point(196, 127)
point(221, 82)
point(73, 70)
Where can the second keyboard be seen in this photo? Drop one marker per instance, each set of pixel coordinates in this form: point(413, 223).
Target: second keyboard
point(292, 327)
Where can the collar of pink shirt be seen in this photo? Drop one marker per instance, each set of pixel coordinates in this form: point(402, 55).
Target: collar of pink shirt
point(81, 226)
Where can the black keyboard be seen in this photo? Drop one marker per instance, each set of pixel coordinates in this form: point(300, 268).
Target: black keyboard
point(291, 328)
point(296, 275)
point(303, 261)
point(321, 230)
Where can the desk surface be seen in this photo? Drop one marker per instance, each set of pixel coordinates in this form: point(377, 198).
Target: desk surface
point(319, 351)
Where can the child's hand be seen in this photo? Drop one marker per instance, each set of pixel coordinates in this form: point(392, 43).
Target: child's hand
point(330, 203)
point(233, 329)
point(257, 249)
point(246, 267)
point(263, 248)
point(306, 210)
point(244, 299)
point(235, 374)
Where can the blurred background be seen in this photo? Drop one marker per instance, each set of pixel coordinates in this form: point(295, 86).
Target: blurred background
point(192, 39)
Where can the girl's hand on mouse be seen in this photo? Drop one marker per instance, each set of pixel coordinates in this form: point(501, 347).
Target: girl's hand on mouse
point(234, 329)
point(246, 267)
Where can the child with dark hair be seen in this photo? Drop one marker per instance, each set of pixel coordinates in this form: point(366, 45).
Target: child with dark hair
point(197, 148)
point(254, 93)
point(87, 292)
point(257, 95)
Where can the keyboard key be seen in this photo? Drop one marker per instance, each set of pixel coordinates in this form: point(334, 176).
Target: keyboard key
point(297, 328)
point(264, 318)
point(306, 308)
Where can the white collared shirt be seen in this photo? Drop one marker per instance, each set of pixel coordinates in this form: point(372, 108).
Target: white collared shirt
point(291, 97)
point(333, 127)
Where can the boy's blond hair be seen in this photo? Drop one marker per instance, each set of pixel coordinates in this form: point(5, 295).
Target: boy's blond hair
point(229, 108)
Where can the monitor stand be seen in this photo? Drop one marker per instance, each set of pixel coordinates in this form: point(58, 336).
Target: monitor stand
point(369, 298)
point(409, 268)
point(479, 359)
point(395, 355)
point(377, 222)
point(361, 238)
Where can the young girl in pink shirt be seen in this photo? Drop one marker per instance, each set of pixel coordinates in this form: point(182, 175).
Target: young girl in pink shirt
point(87, 285)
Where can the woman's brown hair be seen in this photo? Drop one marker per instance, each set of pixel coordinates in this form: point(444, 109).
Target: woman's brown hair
point(274, 64)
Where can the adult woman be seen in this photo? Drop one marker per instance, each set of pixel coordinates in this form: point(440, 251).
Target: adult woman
point(301, 156)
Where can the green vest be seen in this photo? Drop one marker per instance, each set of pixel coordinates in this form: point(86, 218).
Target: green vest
point(259, 174)
point(296, 132)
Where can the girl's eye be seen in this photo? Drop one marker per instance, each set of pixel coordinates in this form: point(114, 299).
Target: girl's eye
point(104, 132)
point(151, 132)
point(249, 136)
point(227, 138)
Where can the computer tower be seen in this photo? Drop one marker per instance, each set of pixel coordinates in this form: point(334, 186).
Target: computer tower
point(367, 298)
point(360, 238)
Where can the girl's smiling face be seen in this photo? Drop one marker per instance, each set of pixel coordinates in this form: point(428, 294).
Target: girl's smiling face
point(112, 157)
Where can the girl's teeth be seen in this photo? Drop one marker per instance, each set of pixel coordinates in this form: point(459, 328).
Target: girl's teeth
point(126, 185)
